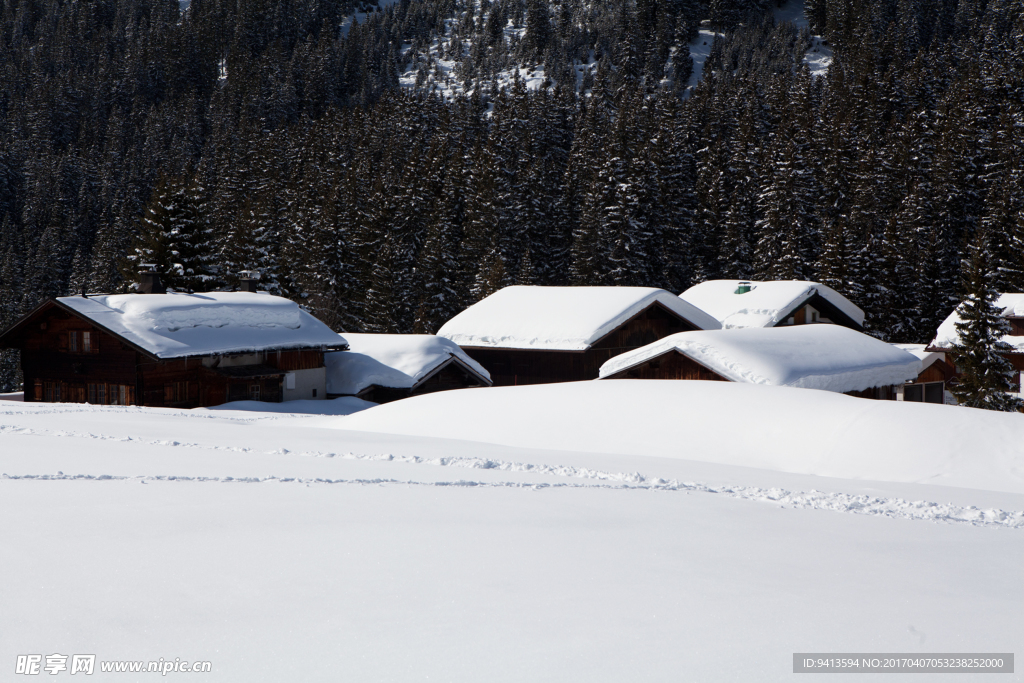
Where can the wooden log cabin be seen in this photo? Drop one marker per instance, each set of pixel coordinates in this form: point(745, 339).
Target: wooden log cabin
point(827, 357)
point(778, 303)
point(171, 350)
point(387, 367)
point(538, 335)
point(1012, 305)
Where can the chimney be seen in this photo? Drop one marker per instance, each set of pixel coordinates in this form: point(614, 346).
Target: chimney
point(248, 280)
point(149, 281)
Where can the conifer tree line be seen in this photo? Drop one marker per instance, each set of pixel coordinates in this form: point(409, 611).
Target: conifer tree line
point(284, 137)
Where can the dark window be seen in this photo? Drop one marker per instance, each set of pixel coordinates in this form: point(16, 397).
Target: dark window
point(913, 392)
point(933, 392)
point(73, 342)
point(254, 392)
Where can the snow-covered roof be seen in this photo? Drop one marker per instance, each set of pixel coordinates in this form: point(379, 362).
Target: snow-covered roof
point(397, 361)
point(559, 318)
point(926, 357)
point(174, 325)
point(1012, 305)
point(828, 357)
point(766, 304)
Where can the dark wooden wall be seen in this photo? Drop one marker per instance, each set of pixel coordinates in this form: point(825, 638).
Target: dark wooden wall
point(669, 365)
point(53, 369)
point(451, 376)
point(510, 367)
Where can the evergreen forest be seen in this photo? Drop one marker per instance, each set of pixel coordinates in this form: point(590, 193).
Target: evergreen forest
point(386, 165)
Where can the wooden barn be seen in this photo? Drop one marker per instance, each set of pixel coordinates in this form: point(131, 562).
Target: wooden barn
point(175, 350)
point(826, 357)
point(1012, 305)
point(538, 335)
point(386, 367)
point(778, 303)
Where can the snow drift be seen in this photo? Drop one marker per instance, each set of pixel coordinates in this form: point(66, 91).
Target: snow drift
point(776, 428)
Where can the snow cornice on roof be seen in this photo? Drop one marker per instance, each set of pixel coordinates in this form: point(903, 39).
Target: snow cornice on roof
point(177, 325)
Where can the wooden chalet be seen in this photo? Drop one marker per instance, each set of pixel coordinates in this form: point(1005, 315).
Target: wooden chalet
point(387, 367)
point(778, 303)
point(173, 350)
point(538, 335)
point(826, 357)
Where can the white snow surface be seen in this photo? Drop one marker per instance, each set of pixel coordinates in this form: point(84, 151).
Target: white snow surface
point(700, 49)
point(827, 357)
point(282, 549)
point(397, 361)
point(1012, 304)
point(174, 325)
point(926, 357)
point(559, 318)
point(345, 405)
point(766, 427)
point(766, 304)
point(819, 56)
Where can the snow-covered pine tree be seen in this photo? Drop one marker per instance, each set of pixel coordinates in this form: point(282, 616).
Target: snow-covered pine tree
point(986, 375)
point(173, 237)
point(438, 263)
point(380, 304)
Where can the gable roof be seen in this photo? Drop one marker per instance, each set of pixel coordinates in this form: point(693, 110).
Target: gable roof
point(768, 302)
point(560, 318)
point(1012, 304)
point(176, 325)
point(395, 361)
point(828, 357)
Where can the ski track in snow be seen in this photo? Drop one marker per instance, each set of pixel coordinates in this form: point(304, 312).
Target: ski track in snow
point(837, 502)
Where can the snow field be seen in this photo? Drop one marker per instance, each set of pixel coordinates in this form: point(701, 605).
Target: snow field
point(392, 583)
point(771, 428)
point(287, 546)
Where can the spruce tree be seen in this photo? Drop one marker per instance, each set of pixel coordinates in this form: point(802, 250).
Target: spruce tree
point(986, 375)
